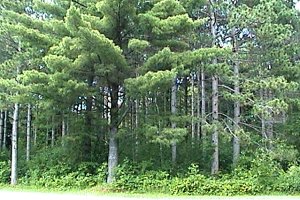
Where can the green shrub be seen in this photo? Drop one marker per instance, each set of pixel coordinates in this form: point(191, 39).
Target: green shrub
point(289, 181)
point(4, 172)
point(63, 177)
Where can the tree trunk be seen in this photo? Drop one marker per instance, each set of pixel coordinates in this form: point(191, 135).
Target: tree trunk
point(215, 135)
point(52, 133)
point(86, 139)
point(215, 100)
point(193, 109)
point(237, 104)
point(35, 134)
point(173, 124)
point(28, 132)
point(14, 141)
point(5, 129)
point(270, 122)
point(63, 129)
point(263, 119)
point(237, 113)
point(113, 145)
point(136, 129)
point(1, 128)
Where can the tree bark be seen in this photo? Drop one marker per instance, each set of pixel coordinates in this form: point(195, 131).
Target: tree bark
point(14, 157)
point(269, 122)
point(35, 134)
point(215, 100)
point(113, 145)
point(1, 128)
point(63, 129)
point(237, 104)
point(193, 109)
point(237, 113)
point(86, 139)
point(28, 132)
point(215, 135)
point(173, 124)
point(52, 132)
point(5, 129)
point(136, 151)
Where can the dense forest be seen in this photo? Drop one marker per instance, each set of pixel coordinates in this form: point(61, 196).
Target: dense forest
point(175, 96)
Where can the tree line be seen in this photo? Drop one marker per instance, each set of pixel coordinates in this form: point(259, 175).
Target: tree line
point(171, 82)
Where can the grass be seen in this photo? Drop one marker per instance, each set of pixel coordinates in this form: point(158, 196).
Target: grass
point(99, 191)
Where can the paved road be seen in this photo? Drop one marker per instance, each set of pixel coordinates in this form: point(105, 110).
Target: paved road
point(8, 195)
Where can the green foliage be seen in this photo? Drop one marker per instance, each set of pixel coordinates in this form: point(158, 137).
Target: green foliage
point(289, 181)
point(4, 172)
point(264, 176)
point(64, 176)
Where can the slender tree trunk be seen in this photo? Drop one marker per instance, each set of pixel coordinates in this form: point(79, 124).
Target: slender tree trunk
point(203, 103)
point(53, 132)
point(173, 124)
point(5, 129)
point(113, 145)
point(47, 134)
point(136, 128)
point(34, 134)
point(1, 128)
point(237, 113)
point(28, 132)
point(14, 137)
point(215, 100)
point(86, 139)
point(198, 105)
point(193, 109)
point(215, 135)
point(14, 141)
point(237, 104)
point(63, 130)
point(270, 123)
point(263, 120)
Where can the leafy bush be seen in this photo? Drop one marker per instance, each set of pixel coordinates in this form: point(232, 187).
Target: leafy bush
point(63, 177)
point(289, 182)
point(4, 172)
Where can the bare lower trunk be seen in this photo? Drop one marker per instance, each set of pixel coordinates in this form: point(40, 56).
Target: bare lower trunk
point(203, 103)
point(63, 130)
point(198, 105)
point(34, 134)
point(113, 155)
point(14, 141)
point(52, 133)
point(270, 122)
point(136, 127)
point(173, 124)
point(237, 104)
point(1, 128)
point(193, 110)
point(237, 113)
point(113, 145)
point(5, 129)
point(28, 132)
point(263, 120)
point(215, 91)
point(215, 135)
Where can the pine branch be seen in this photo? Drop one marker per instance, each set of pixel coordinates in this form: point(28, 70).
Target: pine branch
point(77, 2)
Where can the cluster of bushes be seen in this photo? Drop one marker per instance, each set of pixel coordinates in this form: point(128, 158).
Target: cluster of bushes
point(65, 177)
point(262, 175)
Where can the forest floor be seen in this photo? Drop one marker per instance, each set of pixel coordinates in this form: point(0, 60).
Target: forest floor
point(27, 195)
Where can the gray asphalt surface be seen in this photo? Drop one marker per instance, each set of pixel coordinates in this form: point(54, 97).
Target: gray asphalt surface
point(9, 195)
